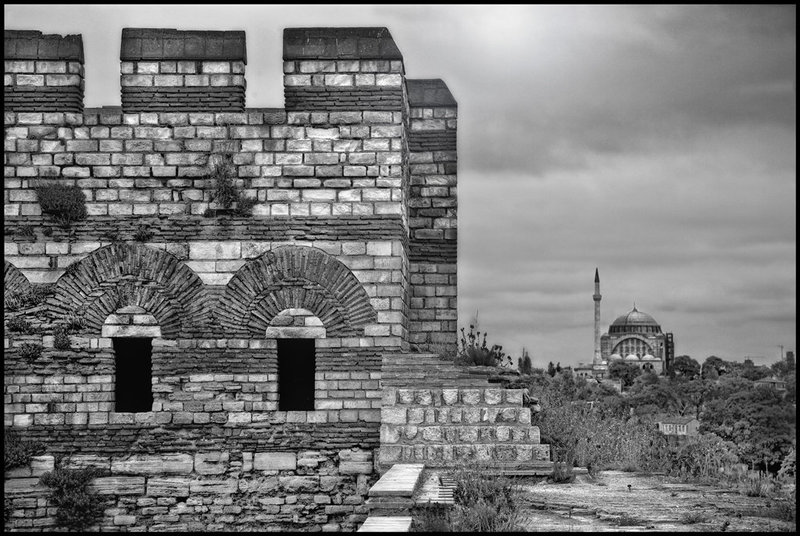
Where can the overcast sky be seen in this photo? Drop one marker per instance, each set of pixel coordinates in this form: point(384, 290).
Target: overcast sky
point(656, 143)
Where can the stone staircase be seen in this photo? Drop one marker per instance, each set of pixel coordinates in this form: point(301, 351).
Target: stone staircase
point(443, 415)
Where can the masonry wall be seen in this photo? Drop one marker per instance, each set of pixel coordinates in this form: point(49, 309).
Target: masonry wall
point(325, 254)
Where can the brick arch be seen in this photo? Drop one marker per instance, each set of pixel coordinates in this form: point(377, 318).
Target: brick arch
point(296, 277)
point(13, 279)
point(130, 274)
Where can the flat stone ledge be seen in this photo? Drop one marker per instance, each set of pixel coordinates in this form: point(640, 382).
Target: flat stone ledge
point(386, 524)
point(33, 45)
point(171, 44)
point(399, 481)
point(429, 92)
point(339, 43)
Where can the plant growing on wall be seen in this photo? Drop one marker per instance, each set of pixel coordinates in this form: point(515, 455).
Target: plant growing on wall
point(65, 203)
point(143, 234)
point(474, 351)
point(30, 352)
point(19, 325)
point(14, 300)
point(78, 507)
point(222, 171)
point(61, 338)
point(17, 452)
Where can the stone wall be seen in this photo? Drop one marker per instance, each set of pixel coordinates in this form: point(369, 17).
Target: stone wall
point(432, 215)
point(334, 250)
point(43, 73)
point(213, 490)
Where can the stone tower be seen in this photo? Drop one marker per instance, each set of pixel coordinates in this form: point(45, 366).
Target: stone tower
point(597, 297)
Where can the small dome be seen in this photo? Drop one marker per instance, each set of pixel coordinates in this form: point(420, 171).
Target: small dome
point(648, 356)
point(615, 356)
point(635, 318)
point(632, 357)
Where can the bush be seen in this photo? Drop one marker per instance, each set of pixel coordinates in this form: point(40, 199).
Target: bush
point(562, 473)
point(74, 322)
point(65, 203)
point(473, 351)
point(18, 453)
point(19, 325)
point(22, 299)
point(226, 193)
point(78, 508)
point(692, 518)
point(26, 231)
point(30, 352)
point(484, 502)
point(143, 234)
point(61, 338)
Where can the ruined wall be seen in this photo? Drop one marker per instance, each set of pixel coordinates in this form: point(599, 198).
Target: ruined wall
point(325, 254)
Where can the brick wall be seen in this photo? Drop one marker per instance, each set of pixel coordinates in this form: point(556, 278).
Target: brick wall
point(43, 73)
point(335, 250)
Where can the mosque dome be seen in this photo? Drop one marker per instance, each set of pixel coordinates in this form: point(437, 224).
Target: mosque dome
point(648, 356)
point(635, 321)
point(615, 356)
point(632, 357)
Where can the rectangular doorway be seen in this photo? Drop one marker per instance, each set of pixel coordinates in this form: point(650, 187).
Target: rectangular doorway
point(133, 386)
point(296, 364)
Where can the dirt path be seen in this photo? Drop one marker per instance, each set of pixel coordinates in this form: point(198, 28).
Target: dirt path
point(653, 503)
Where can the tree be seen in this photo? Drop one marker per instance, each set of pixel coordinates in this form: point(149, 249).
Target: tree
point(685, 366)
point(715, 364)
point(551, 369)
point(558, 366)
point(524, 363)
point(627, 372)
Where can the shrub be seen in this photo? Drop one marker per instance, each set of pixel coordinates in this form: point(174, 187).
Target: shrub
point(691, 518)
point(22, 299)
point(30, 352)
point(562, 473)
point(18, 453)
point(26, 231)
point(225, 193)
point(473, 350)
point(19, 325)
point(143, 234)
point(61, 338)
point(65, 203)
point(484, 502)
point(78, 508)
point(524, 363)
point(74, 322)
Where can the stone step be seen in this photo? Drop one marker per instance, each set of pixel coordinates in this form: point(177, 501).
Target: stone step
point(511, 433)
point(399, 481)
point(386, 524)
point(449, 455)
point(436, 415)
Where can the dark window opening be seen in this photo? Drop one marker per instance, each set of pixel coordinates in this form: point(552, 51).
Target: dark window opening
point(296, 374)
point(133, 390)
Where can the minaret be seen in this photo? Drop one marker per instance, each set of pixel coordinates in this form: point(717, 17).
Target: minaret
point(597, 297)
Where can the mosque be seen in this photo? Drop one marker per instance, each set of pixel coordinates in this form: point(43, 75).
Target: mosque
point(635, 337)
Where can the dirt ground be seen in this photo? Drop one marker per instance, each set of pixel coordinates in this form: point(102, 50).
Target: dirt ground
point(606, 503)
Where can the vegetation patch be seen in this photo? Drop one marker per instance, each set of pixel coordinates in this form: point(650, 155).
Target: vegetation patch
point(20, 325)
point(30, 352)
point(222, 173)
point(32, 296)
point(18, 452)
point(474, 351)
point(143, 234)
point(484, 502)
point(65, 203)
point(61, 338)
point(78, 507)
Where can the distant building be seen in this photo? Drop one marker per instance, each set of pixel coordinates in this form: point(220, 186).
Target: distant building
point(677, 426)
point(634, 337)
point(780, 385)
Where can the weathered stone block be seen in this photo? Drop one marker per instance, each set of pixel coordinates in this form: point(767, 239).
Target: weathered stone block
point(154, 464)
point(118, 485)
point(167, 487)
point(275, 461)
